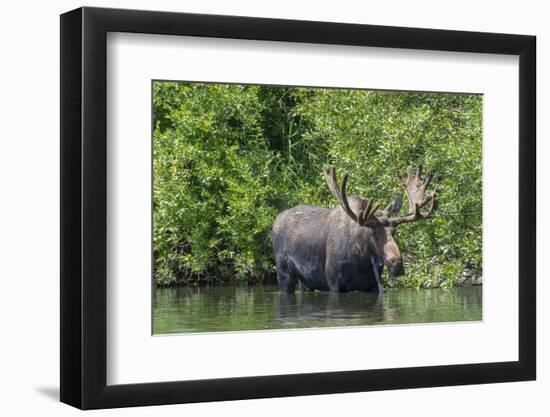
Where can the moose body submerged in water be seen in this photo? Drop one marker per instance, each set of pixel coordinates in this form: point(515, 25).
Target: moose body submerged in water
point(345, 248)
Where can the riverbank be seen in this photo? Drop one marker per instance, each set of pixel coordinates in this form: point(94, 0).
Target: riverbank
point(466, 279)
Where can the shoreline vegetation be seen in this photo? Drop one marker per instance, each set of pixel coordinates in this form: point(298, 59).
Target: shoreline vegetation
point(228, 158)
point(471, 282)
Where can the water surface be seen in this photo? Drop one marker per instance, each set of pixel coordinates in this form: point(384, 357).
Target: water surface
point(214, 309)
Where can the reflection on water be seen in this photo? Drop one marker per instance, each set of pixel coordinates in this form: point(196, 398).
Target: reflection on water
point(214, 309)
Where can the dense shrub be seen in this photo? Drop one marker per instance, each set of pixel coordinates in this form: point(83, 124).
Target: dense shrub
point(228, 158)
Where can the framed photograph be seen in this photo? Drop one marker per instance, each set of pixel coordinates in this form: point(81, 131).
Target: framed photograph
point(257, 208)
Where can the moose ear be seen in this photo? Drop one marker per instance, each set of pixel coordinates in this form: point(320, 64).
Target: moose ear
point(394, 207)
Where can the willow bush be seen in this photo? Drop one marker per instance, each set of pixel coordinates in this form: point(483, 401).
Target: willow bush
point(228, 158)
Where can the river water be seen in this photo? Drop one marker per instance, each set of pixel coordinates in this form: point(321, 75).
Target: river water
point(215, 309)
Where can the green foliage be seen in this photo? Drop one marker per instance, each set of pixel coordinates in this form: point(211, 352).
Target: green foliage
point(229, 158)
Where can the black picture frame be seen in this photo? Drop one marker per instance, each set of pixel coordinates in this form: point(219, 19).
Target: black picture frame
point(84, 207)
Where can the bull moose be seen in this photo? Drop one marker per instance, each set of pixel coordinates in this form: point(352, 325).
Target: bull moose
point(345, 248)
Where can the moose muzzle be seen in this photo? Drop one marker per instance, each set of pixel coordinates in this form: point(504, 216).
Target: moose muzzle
point(395, 267)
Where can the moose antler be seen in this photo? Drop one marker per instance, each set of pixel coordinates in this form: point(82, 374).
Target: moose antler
point(367, 208)
point(415, 187)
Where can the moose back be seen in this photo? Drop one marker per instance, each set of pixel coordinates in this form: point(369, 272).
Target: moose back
point(345, 248)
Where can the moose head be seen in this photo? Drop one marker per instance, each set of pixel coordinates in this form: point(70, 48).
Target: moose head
point(380, 225)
